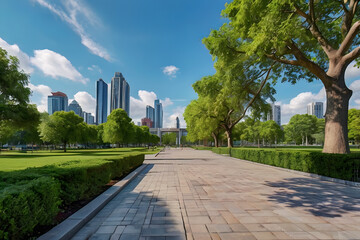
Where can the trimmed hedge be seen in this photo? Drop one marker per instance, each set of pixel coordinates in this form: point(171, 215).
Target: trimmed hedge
point(341, 166)
point(33, 197)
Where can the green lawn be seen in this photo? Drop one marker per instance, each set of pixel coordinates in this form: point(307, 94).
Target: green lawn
point(10, 161)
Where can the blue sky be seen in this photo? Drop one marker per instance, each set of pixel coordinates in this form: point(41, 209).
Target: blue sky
point(66, 45)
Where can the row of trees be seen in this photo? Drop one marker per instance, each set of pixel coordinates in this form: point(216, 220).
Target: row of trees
point(68, 128)
point(295, 39)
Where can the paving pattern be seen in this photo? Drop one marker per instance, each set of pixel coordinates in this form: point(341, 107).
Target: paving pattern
point(189, 194)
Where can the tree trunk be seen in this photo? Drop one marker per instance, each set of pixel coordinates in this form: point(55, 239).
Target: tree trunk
point(336, 119)
point(229, 138)
point(263, 142)
point(216, 142)
point(258, 141)
point(306, 140)
point(64, 146)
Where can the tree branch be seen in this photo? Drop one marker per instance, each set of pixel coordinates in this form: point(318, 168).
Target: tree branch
point(311, 20)
point(310, 65)
point(281, 60)
point(253, 99)
point(351, 56)
point(346, 44)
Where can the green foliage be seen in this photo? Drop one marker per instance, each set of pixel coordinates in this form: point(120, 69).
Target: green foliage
point(169, 139)
point(346, 167)
point(25, 205)
point(32, 197)
point(354, 125)
point(15, 94)
point(301, 127)
point(62, 127)
point(118, 128)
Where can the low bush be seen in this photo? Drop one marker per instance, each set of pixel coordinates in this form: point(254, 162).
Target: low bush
point(33, 197)
point(341, 166)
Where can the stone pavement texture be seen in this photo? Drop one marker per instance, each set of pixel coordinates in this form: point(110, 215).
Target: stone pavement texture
point(189, 194)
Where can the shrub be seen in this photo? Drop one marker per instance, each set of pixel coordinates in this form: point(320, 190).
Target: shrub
point(32, 197)
point(339, 166)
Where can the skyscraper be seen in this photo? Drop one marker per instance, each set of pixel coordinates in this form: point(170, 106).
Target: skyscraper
point(150, 113)
point(316, 109)
point(88, 118)
point(120, 93)
point(158, 121)
point(177, 122)
point(58, 101)
point(74, 106)
point(101, 101)
point(275, 114)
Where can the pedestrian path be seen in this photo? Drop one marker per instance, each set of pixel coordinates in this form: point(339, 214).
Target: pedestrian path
point(189, 194)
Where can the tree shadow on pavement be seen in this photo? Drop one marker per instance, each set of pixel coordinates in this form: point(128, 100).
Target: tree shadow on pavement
point(317, 197)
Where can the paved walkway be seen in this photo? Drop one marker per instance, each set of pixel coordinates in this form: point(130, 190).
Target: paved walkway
point(189, 194)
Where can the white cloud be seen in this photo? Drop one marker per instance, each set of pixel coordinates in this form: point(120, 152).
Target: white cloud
point(170, 120)
point(138, 106)
point(86, 101)
point(55, 65)
point(77, 15)
point(14, 50)
point(352, 71)
point(40, 95)
point(170, 71)
point(95, 68)
point(298, 105)
point(166, 102)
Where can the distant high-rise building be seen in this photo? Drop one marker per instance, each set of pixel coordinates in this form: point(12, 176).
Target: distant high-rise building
point(74, 106)
point(58, 101)
point(177, 122)
point(88, 118)
point(120, 93)
point(275, 114)
point(146, 122)
point(316, 109)
point(101, 101)
point(158, 121)
point(150, 113)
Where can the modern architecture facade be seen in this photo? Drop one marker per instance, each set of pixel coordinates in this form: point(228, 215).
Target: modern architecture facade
point(316, 109)
point(120, 93)
point(147, 122)
point(101, 101)
point(177, 122)
point(88, 118)
point(150, 113)
point(158, 121)
point(275, 114)
point(74, 106)
point(58, 101)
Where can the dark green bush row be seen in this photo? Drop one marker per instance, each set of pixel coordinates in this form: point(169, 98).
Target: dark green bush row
point(33, 197)
point(341, 166)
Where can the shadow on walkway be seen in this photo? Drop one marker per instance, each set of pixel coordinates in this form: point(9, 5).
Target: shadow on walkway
point(319, 198)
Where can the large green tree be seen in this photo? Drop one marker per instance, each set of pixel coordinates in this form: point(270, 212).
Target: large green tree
point(62, 127)
point(308, 39)
point(301, 126)
point(14, 93)
point(118, 129)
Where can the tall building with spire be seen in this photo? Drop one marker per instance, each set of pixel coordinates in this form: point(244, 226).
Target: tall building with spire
point(120, 93)
point(58, 101)
point(101, 101)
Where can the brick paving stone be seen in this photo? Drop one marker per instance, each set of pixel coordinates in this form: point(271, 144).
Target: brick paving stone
point(188, 194)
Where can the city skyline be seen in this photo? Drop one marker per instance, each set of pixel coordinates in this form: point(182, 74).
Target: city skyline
point(160, 60)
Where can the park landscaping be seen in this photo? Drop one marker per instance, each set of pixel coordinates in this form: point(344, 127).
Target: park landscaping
point(36, 187)
point(311, 160)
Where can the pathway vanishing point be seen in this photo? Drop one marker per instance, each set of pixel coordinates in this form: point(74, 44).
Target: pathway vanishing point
point(189, 194)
